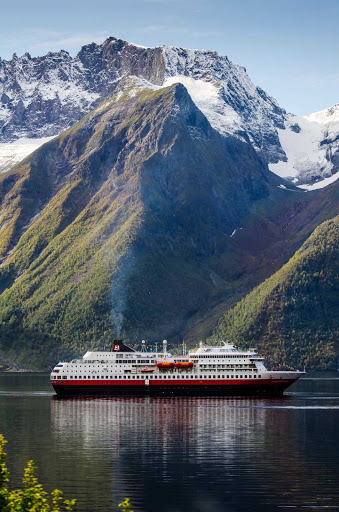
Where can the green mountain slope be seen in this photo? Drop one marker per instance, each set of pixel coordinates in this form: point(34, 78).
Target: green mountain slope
point(140, 221)
point(293, 315)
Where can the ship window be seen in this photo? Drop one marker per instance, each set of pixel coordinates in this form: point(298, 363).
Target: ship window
point(64, 376)
point(98, 376)
point(59, 377)
point(255, 376)
point(259, 376)
point(56, 371)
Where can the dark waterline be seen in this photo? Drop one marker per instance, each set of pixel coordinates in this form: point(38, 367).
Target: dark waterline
point(178, 454)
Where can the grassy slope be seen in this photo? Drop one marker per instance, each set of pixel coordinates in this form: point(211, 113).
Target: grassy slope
point(57, 278)
point(293, 315)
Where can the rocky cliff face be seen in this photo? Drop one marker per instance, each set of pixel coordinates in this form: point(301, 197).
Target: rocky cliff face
point(43, 96)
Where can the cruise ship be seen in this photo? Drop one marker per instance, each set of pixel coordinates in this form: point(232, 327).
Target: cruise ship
point(208, 370)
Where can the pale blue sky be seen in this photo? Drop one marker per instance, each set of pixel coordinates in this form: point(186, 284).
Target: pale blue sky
point(289, 47)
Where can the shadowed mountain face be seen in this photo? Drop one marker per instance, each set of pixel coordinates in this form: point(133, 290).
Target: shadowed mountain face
point(142, 221)
point(100, 221)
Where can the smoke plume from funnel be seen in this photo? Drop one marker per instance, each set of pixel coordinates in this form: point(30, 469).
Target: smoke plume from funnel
point(119, 289)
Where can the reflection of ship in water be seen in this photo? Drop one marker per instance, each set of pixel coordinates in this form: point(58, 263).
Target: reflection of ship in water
point(142, 446)
point(206, 371)
point(151, 431)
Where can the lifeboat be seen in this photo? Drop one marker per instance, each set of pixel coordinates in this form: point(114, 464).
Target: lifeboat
point(165, 365)
point(146, 370)
point(184, 364)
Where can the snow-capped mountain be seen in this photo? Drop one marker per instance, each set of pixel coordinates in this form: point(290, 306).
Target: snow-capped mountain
point(311, 144)
point(40, 97)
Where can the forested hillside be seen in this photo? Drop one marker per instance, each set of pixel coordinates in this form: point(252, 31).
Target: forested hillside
point(293, 315)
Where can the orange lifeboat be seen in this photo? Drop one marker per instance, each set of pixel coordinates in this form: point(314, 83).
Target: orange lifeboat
point(165, 365)
point(146, 370)
point(184, 364)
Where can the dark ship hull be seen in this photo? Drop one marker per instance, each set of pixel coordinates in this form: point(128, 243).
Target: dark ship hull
point(267, 387)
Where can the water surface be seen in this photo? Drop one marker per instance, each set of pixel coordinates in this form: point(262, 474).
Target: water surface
point(178, 454)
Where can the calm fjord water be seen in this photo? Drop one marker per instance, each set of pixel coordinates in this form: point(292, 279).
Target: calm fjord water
point(178, 454)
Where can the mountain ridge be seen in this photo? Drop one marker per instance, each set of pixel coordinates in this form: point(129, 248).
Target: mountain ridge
point(42, 96)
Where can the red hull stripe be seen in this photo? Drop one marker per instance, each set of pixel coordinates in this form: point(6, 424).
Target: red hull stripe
point(162, 382)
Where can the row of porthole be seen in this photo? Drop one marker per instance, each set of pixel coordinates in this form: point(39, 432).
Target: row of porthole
point(162, 377)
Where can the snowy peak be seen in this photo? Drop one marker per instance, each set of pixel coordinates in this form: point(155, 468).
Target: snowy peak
point(42, 96)
point(327, 116)
point(231, 102)
point(311, 144)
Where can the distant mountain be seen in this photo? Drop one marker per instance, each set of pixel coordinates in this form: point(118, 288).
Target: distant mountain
point(40, 97)
point(311, 144)
point(293, 315)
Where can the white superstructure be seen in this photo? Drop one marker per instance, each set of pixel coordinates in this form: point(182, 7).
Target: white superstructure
point(217, 365)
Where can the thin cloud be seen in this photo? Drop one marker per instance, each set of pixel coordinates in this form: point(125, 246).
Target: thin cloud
point(161, 1)
point(74, 42)
point(40, 41)
point(165, 29)
point(162, 29)
point(315, 79)
point(208, 33)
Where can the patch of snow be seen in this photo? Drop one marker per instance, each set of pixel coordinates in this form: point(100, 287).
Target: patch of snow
point(307, 158)
point(208, 98)
point(322, 183)
point(231, 102)
point(289, 189)
point(139, 45)
point(12, 153)
point(234, 232)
